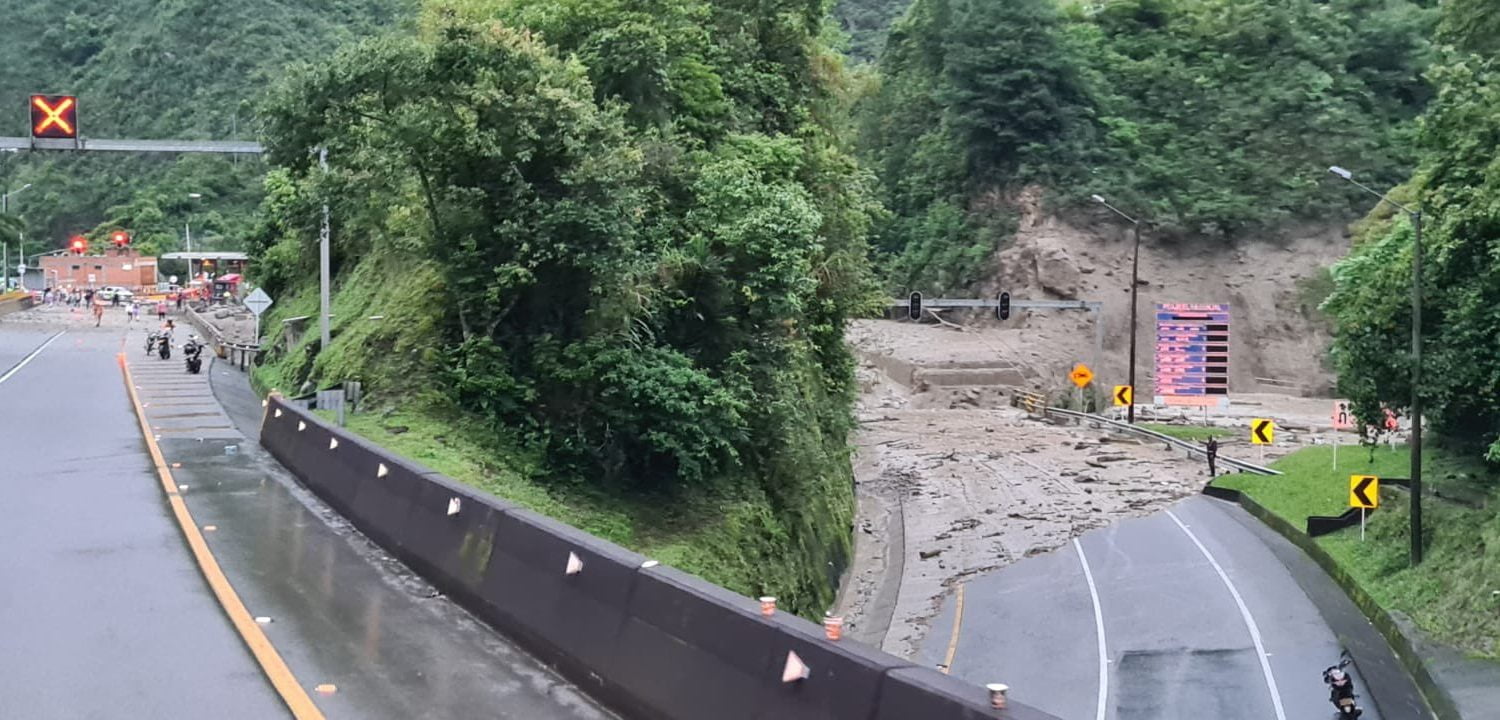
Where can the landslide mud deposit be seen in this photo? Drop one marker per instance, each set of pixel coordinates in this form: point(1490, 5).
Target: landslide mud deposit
point(953, 482)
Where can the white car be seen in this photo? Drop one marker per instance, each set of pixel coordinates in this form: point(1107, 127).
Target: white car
point(108, 294)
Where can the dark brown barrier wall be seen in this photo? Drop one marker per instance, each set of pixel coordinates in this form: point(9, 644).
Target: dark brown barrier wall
point(647, 640)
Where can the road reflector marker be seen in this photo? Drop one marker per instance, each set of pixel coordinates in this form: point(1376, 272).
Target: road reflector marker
point(795, 670)
point(301, 426)
point(333, 443)
point(453, 505)
point(210, 528)
point(176, 465)
point(649, 564)
point(277, 413)
point(833, 626)
point(997, 694)
point(262, 619)
point(326, 689)
point(382, 471)
point(575, 564)
point(1262, 431)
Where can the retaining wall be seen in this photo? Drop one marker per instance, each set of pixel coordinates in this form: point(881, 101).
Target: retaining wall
point(645, 639)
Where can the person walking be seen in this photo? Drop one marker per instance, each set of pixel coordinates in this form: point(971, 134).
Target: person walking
point(161, 310)
point(1212, 451)
point(98, 312)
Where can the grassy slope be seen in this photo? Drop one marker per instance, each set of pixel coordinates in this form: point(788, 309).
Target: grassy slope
point(733, 538)
point(1451, 594)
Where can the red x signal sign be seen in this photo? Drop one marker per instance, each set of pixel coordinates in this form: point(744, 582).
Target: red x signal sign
point(54, 116)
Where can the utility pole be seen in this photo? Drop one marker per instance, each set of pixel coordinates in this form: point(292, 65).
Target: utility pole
point(323, 236)
point(1135, 282)
point(1415, 443)
point(1416, 383)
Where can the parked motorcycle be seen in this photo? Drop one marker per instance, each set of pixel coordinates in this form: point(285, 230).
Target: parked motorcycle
point(192, 351)
point(1341, 688)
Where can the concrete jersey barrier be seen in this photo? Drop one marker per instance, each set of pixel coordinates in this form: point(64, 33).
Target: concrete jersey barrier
point(647, 640)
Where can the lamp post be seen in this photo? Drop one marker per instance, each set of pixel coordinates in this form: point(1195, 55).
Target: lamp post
point(188, 226)
point(1416, 358)
point(20, 244)
point(1135, 264)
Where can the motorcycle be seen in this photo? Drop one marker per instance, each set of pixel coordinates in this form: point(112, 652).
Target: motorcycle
point(164, 346)
point(193, 354)
point(151, 340)
point(1341, 688)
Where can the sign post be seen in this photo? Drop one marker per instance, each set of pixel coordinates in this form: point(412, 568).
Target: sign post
point(1262, 433)
point(1081, 377)
point(258, 301)
point(1342, 420)
point(1364, 493)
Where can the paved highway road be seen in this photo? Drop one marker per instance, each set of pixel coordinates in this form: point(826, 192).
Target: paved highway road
point(103, 610)
point(1197, 616)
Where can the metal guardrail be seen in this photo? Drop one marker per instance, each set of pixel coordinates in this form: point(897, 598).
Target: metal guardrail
point(240, 354)
point(1168, 439)
point(989, 303)
point(1029, 401)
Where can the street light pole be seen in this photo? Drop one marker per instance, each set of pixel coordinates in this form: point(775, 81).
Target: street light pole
point(1135, 265)
point(1416, 359)
point(323, 271)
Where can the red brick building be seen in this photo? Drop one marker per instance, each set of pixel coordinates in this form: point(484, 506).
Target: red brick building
point(123, 267)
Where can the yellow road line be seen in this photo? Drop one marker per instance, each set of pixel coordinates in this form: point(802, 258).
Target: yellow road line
point(276, 670)
point(958, 623)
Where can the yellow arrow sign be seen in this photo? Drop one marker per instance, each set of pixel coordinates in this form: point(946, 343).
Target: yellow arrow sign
point(1124, 395)
point(1081, 375)
point(1262, 431)
point(1364, 491)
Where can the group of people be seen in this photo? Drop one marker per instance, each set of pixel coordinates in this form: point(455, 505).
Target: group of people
point(92, 300)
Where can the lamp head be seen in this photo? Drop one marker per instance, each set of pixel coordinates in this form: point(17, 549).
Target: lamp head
point(1345, 174)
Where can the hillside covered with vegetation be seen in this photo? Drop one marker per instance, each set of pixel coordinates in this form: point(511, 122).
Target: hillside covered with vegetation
point(1209, 119)
point(154, 70)
point(613, 246)
point(1456, 187)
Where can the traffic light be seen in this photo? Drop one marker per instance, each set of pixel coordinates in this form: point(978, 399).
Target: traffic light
point(914, 309)
point(120, 238)
point(79, 246)
point(1004, 309)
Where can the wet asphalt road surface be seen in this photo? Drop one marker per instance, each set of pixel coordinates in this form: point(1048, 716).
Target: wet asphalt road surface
point(104, 613)
point(1177, 645)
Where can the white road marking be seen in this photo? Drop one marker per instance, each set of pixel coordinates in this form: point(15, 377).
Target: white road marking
point(31, 357)
point(1098, 629)
point(1260, 648)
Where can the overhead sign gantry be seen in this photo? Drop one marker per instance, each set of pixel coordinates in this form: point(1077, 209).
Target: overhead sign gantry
point(55, 126)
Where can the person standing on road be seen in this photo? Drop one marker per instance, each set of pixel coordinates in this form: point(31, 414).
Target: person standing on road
point(161, 310)
point(1212, 448)
point(98, 312)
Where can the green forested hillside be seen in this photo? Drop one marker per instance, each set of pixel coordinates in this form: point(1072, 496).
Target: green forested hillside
point(866, 23)
point(613, 245)
point(1208, 118)
point(149, 69)
point(1457, 187)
